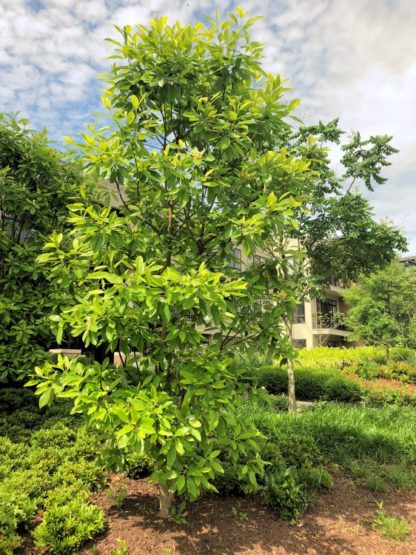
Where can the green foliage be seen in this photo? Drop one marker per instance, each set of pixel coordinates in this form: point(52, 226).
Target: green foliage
point(47, 460)
point(311, 384)
point(382, 395)
point(291, 491)
point(390, 527)
point(365, 441)
point(121, 547)
point(117, 495)
point(394, 370)
point(66, 525)
point(382, 307)
point(285, 495)
point(35, 187)
point(341, 357)
point(339, 235)
point(195, 151)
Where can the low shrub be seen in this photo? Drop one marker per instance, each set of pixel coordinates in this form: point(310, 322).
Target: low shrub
point(48, 462)
point(290, 491)
point(341, 357)
point(311, 384)
point(65, 526)
point(380, 395)
point(393, 370)
point(285, 495)
point(16, 508)
point(138, 466)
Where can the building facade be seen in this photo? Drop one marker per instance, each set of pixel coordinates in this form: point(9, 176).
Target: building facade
point(318, 322)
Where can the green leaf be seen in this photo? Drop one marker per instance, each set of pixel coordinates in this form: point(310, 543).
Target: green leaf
point(180, 483)
point(134, 101)
point(171, 456)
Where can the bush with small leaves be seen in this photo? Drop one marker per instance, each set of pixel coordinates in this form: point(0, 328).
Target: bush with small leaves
point(66, 526)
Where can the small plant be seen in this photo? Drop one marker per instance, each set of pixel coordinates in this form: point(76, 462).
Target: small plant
point(285, 495)
point(121, 547)
point(117, 496)
point(390, 527)
point(375, 482)
point(66, 526)
point(241, 515)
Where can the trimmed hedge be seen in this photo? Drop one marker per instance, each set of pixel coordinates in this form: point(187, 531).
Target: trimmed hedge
point(311, 384)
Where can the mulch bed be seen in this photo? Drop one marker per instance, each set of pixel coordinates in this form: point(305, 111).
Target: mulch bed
point(339, 523)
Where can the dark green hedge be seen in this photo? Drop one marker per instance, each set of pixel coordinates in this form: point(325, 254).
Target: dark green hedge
point(311, 384)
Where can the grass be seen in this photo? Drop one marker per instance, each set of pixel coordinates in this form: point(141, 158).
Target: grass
point(390, 527)
point(376, 446)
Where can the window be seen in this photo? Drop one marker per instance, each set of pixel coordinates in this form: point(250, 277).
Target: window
point(299, 343)
point(327, 313)
point(299, 317)
point(258, 259)
point(236, 262)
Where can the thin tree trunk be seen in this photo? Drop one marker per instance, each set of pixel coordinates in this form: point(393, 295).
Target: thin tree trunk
point(291, 386)
point(165, 501)
point(291, 371)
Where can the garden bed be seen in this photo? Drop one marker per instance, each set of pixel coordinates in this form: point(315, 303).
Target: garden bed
point(340, 522)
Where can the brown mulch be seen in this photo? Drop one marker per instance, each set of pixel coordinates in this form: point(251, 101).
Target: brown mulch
point(339, 523)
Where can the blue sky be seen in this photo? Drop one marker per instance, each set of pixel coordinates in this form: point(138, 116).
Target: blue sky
point(352, 59)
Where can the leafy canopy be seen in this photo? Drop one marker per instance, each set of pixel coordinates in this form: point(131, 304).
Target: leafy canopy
point(34, 190)
point(194, 151)
point(383, 307)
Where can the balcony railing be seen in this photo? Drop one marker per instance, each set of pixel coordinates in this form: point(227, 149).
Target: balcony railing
point(325, 321)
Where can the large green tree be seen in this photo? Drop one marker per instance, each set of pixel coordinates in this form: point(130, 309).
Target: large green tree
point(35, 187)
point(383, 307)
point(194, 149)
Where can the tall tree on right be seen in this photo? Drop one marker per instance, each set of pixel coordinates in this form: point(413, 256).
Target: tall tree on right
point(383, 307)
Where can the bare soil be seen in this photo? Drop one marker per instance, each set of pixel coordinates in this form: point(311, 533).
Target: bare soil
point(339, 522)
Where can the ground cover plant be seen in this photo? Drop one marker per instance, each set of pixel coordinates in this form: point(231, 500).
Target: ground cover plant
point(48, 467)
point(389, 526)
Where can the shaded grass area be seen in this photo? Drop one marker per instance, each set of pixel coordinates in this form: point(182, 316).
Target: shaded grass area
point(376, 446)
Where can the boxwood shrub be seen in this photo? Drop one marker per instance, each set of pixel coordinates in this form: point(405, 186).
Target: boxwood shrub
point(311, 384)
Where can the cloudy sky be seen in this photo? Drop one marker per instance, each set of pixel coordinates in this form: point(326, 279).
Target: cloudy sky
point(352, 59)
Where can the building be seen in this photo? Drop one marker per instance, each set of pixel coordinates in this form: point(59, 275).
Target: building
point(408, 260)
point(318, 322)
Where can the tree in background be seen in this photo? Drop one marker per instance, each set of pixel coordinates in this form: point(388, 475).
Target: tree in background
point(383, 307)
point(195, 152)
point(35, 187)
point(336, 236)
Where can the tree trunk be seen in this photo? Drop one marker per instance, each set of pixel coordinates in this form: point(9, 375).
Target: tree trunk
point(165, 502)
point(290, 371)
point(291, 388)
